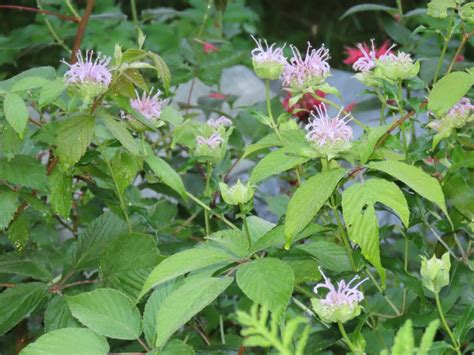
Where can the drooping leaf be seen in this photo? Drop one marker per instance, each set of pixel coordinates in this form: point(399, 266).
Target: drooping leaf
point(71, 341)
point(19, 302)
point(185, 302)
point(125, 168)
point(16, 112)
point(167, 174)
point(120, 132)
point(267, 281)
point(19, 232)
point(108, 312)
point(308, 200)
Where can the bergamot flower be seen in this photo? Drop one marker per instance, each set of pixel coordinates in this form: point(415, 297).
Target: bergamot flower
point(148, 105)
point(367, 60)
point(217, 123)
point(300, 74)
point(238, 194)
point(396, 67)
point(341, 304)
point(268, 62)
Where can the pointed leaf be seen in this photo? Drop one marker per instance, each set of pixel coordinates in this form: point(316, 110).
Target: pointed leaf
point(167, 174)
point(16, 112)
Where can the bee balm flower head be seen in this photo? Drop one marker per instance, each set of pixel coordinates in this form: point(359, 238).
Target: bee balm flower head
point(91, 77)
point(435, 272)
point(398, 66)
point(268, 62)
point(366, 61)
point(341, 303)
point(301, 74)
point(210, 149)
point(328, 135)
point(148, 105)
point(217, 123)
point(238, 194)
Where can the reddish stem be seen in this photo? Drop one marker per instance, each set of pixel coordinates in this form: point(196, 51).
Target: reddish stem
point(33, 9)
point(81, 29)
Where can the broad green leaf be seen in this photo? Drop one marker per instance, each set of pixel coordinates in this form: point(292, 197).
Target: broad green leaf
point(34, 267)
point(128, 261)
point(24, 171)
point(8, 206)
point(366, 148)
point(121, 133)
point(185, 302)
point(73, 139)
point(404, 343)
point(448, 91)
point(182, 263)
point(166, 174)
point(359, 214)
point(330, 256)
point(125, 167)
point(258, 227)
point(152, 306)
point(108, 312)
point(231, 241)
point(60, 185)
point(428, 337)
point(10, 144)
point(308, 200)
point(16, 112)
point(267, 282)
point(30, 83)
point(439, 8)
point(369, 7)
point(419, 181)
point(177, 347)
point(19, 302)
point(268, 141)
point(48, 73)
point(274, 163)
point(162, 70)
point(51, 91)
point(70, 341)
point(92, 242)
point(171, 115)
point(19, 232)
point(58, 315)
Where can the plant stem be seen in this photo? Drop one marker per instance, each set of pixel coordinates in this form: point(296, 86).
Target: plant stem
point(400, 10)
point(382, 113)
point(344, 238)
point(207, 194)
point(133, 6)
point(339, 107)
point(465, 38)
point(246, 226)
point(389, 301)
point(269, 109)
point(52, 30)
point(346, 338)
point(445, 324)
point(206, 207)
point(73, 9)
point(443, 50)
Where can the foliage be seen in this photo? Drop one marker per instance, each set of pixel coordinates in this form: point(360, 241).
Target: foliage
point(132, 220)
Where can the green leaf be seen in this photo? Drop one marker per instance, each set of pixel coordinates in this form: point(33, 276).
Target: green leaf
point(60, 185)
point(30, 83)
point(185, 302)
point(70, 341)
point(125, 167)
point(404, 343)
point(51, 91)
point(182, 263)
point(177, 347)
point(268, 141)
point(90, 245)
point(359, 213)
point(428, 337)
point(308, 200)
point(330, 256)
point(152, 306)
point(439, 8)
point(8, 206)
point(19, 232)
point(128, 261)
point(24, 171)
point(58, 315)
point(369, 7)
point(419, 181)
point(267, 282)
point(108, 312)
point(231, 241)
point(73, 139)
point(19, 302)
point(162, 70)
point(16, 112)
point(121, 133)
point(171, 115)
point(35, 267)
point(274, 163)
point(448, 91)
point(166, 174)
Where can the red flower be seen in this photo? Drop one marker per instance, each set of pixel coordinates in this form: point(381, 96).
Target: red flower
point(354, 53)
point(209, 48)
point(217, 96)
point(305, 104)
point(460, 58)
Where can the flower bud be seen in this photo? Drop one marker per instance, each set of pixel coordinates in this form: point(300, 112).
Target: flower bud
point(435, 272)
point(211, 149)
point(397, 67)
point(238, 194)
point(268, 62)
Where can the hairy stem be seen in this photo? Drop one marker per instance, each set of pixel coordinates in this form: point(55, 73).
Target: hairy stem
point(206, 207)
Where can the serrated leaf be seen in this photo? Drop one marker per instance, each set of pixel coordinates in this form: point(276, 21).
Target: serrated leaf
point(448, 91)
point(19, 302)
point(404, 343)
point(439, 8)
point(24, 171)
point(359, 214)
point(308, 200)
point(428, 337)
point(16, 112)
point(19, 232)
point(70, 341)
point(125, 167)
point(419, 181)
point(330, 256)
point(128, 261)
point(8, 206)
point(182, 263)
point(274, 163)
point(166, 174)
point(177, 347)
point(60, 185)
point(58, 315)
point(31, 266)
point(171, 115)
point(185, 302)
point(162, 70)
point(73, 139)
point(51, 91)
point(108, 312)
point(121, 133)
point(267, 282)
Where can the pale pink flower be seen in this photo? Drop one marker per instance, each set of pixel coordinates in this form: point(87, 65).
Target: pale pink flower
point(461, 109)
point(324, 130)
point(222, 121)
point(300, 73)
point(367, 61)
point(343, 295)
point(267, 54)
point(148, 105)
point(213, 142)
point(89, 71)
